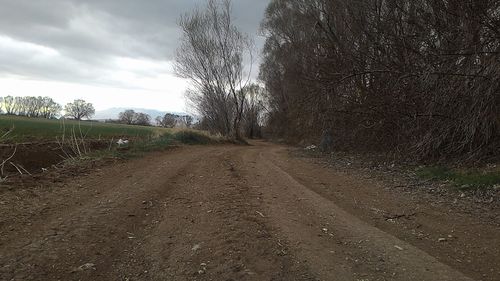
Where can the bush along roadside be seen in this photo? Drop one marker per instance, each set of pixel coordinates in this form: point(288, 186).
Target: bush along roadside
point(185, 137)
point(126, 149)
point(162, 142)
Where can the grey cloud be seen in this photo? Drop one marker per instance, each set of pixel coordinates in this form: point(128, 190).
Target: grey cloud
point(88, 34)
point(30, 14)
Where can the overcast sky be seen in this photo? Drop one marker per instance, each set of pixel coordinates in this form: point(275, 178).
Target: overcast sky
point(113, 53)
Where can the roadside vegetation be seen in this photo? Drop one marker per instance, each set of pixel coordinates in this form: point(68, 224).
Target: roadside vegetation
point(32, 145)
point(416, 77)
point(385, 76)
point(464, 179)
point(167, 140)
point(417, 80)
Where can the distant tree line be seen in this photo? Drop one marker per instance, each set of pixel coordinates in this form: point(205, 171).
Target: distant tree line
point(419, 76)
point(44, 107)
point(130, 117)
point(170, 120)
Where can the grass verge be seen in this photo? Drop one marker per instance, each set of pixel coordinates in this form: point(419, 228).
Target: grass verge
point(464, 180)
point(165, 141)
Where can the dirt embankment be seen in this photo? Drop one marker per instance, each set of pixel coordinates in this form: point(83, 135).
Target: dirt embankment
point(236, 213)
point(35, 157)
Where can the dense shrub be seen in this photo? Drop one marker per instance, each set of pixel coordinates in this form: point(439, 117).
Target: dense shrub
point(192, 137)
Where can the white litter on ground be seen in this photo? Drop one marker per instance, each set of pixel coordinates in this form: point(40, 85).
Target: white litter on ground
point(122, 142)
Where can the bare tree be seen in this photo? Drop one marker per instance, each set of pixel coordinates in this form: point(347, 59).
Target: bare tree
point(8, 103)
point(159, 121)
point(20, 103)
point(254, 110)
point(32, 106)
point(211, 56)
point(127, 117)
point(169, 120)
point(79, 109)
point(187, 120)
point(49, 108)
point(142, 119)
point(130, 117)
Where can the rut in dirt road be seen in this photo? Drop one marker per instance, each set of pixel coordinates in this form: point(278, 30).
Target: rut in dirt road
point(216, 213)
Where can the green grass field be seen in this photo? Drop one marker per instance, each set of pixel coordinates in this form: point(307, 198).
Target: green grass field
point(35, 129)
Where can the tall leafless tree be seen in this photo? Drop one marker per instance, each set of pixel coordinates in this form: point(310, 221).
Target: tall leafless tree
point(212, 56)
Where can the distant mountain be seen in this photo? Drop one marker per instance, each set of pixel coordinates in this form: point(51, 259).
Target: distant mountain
point(112, 113)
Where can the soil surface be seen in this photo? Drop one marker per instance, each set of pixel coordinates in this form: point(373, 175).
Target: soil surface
point(35, 157)
point(237, 213)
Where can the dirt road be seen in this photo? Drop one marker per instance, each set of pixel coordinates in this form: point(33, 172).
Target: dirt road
point(235, 213)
